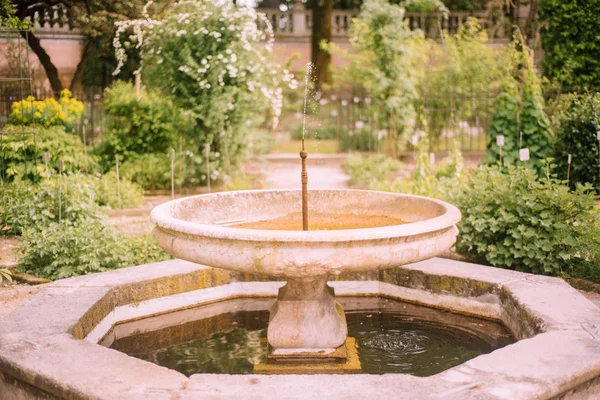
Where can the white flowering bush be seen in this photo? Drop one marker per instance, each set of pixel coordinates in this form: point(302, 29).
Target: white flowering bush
point(213, 58)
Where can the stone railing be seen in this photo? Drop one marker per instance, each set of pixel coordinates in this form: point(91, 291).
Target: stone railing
point(298, 22)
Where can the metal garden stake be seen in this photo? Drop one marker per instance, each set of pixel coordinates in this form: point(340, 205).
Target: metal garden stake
point(172, 173)
point(118, 184)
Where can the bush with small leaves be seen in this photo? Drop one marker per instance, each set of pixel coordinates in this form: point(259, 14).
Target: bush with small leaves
point(364, 171)
point(577, 134)
point(23, 153)
point(514, 219)
point(68, 198)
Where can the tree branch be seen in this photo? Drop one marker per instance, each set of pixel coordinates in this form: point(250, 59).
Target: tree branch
point(78, 76)
point(40, 52)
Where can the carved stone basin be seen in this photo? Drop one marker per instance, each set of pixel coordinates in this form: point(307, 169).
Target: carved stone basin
point(306, 320)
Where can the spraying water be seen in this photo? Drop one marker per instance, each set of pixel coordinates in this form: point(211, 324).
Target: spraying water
point(304, 154)
point(309, 68)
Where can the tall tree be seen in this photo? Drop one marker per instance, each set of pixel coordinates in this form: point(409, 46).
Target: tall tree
point(94, 18)
point(321, 34)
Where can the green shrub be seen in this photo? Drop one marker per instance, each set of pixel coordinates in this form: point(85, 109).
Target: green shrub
point(364, 171)
point(441, 181)
point(260, 142)
point(325, 133)
point(516, 220)
point(577, 135)
point(24, 205)
point(23, 152)
point(58, 250)
point(144, 249)
point(138, 170)
point(135, 126)
point(106, 193)
point(571, 42)
point(520, 110)
point(363, 139)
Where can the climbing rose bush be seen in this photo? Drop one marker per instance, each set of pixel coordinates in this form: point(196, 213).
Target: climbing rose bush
point(214, 59)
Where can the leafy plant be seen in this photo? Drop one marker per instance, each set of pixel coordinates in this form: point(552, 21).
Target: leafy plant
point(577, 135)
point(363, 139)
point(505, 122)
point(214, 62)
point(150, 123)
point(443, 180)
point(23, 153)
point(513, 219)
point(68, 198)
point(65, 112)
point(381, 60)
point(364, 171)
point(520, 110)
point(107, 194)
point(58, 250)
point(571, 43)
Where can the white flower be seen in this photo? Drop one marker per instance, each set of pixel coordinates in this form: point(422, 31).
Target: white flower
point(160, 61)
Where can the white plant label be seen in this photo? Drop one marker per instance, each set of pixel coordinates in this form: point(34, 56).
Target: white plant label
point(415, 140)
point(524, 154)
point(598, 135)
point(569, 159)
point(431, 158)
point(46, 157)
point(500, 140)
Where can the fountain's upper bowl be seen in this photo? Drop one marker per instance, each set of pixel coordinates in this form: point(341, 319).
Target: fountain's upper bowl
point(194, 229)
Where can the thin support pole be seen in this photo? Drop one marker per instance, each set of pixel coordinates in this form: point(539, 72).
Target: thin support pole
point(117, 176)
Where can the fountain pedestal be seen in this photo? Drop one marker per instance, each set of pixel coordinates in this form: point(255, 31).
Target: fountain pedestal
point(307, 323)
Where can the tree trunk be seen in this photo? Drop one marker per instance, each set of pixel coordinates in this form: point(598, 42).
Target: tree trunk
point(529, 26)
point(49, 68)
point(78, 76)
point(321, 31)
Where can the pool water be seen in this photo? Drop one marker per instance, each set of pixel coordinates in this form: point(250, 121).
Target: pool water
point(402, 338)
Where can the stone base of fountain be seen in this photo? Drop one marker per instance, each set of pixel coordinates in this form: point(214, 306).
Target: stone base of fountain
point(306, 323)
point(343, 361)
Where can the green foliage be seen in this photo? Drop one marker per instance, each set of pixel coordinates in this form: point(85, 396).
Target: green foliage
point(505, 122)
point(8, 19)
point(534, 123)
point(577, 135)
point(58, 250)
point(364, 171)
point(516, 220)
point(520, 110)
point(381, 60)
point(571, 42)
point(157, 177)
point(322, 133)
point(214, 62)
point(456, 77)
point(69, 198)
point(106, 193)
point(23, 152)
point(359, 140)
point(442, 180)
point(151, 123)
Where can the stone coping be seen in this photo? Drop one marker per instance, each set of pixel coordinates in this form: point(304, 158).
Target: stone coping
point(42, 354)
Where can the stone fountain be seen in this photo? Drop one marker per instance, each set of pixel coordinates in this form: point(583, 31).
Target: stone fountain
point(250, 232)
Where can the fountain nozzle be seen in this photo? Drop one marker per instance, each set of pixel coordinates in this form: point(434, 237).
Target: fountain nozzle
point(303, 156)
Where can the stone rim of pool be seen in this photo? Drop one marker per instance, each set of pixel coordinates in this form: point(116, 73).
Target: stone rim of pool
point(48, 347)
